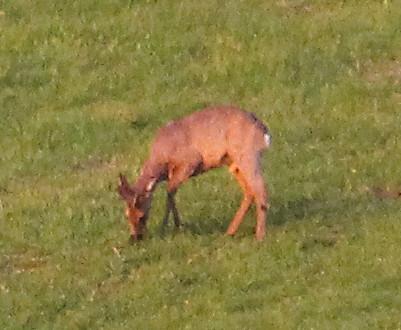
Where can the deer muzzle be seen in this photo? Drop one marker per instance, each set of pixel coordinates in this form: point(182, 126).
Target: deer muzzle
point(135, 238)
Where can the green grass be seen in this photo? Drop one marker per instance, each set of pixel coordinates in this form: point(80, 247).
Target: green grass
point(83, 87)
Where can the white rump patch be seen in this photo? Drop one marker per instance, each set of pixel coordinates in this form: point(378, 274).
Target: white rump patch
point(267, 139)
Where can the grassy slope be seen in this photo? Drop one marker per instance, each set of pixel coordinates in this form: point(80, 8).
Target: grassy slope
point(84, 85)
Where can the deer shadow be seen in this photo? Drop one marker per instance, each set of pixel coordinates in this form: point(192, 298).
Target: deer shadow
point(306, 208)
point(280, 214)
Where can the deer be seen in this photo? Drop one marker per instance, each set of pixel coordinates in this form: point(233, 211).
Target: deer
point(206, 139)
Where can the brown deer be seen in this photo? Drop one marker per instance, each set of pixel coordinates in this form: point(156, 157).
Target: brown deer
point(206, 139)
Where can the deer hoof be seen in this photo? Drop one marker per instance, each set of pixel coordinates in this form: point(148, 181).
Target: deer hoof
point(260, 237)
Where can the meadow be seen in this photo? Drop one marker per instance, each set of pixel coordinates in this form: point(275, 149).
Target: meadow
point(84, 85)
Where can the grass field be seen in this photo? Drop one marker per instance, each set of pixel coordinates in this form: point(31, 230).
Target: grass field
point(83, 87)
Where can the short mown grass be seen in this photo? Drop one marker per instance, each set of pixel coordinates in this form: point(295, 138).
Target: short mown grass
point(84, 85)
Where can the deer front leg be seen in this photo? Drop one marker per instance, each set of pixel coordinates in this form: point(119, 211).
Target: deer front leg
point(176, 216)
point(176, 176)
point(167, 213)
point(170, 206)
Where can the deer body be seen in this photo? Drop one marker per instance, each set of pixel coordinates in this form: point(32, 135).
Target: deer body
point(206, 139)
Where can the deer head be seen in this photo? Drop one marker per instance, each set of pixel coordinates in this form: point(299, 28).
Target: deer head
point(137, 207)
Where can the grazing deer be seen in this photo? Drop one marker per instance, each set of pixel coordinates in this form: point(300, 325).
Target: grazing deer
point(206, 139)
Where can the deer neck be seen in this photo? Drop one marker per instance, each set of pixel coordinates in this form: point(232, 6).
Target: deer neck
point(151, 174)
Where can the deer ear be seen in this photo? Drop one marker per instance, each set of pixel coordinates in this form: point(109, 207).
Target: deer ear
point(123, 180)
point(124, 190)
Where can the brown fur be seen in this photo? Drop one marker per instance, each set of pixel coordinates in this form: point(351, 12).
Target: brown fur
point(206, 139)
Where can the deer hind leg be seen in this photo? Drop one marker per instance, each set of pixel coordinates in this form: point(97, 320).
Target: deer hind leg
point(261, 200)
point(262, 206)
point(252, 175)
point(245, 204)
